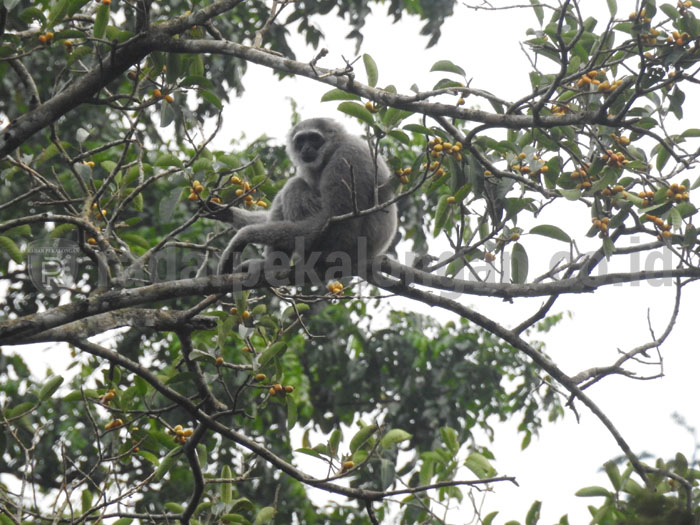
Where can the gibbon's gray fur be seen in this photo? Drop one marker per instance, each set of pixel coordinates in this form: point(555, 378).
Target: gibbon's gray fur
point(336, 174)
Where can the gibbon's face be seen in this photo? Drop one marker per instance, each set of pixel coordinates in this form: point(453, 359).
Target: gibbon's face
point(308, 146)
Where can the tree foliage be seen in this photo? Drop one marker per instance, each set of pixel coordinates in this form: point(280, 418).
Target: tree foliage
point(210, 408)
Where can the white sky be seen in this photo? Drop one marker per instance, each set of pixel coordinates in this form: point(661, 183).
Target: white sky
point(567, 456)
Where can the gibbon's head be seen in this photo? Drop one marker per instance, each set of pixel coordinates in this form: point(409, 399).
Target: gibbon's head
point(311, 142)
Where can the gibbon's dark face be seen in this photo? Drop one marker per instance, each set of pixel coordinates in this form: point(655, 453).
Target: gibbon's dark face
point(308, 145)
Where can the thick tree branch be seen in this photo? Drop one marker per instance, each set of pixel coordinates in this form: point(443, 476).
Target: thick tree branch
point(17, 331)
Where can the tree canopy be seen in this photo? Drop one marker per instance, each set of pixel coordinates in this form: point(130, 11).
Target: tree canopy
point(185, 403)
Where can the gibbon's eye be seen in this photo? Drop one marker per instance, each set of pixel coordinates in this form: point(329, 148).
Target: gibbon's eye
point(308, 140)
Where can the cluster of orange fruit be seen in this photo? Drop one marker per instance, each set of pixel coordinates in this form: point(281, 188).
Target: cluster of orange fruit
point(662, 226)
point(46, 38)
point(279, 389)
point(527, 170)
point(435, 168)
point(612, 190)
point(247, 191)
point(158, 94)
point(335, 287)
point(601, 223)
point(439, 147)
point(650, 37)
point(115, 423)
point(646, 197)
point(245, 314)
point(641, 16)
point(684, 6)
point(195, 190)
point(402, 174)
point(678, 192)
point(612, 158)
point(678, 39)
point(594, 78)
point(582, 175)
point(560, 109)
point(180, 434)
point(108, 396)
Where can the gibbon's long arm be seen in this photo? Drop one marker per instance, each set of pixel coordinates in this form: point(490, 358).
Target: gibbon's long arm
point(283, 236)
point(237, 217)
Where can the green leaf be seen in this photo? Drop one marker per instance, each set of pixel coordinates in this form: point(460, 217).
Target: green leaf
point(148, 456)
point(670, 11)
point(75, 5)
point(533, 515)
point(539, 13)
point(488, 520)
point(240, 504)
point(449, 438)
point(417, 128)
point(309, 452)
point(371, 69)
point(608, 247)
point(20, 410)
point(275, 350)
point(167, 113)
point(101, 20)
point(50, 387)
point(173, 62)
point(137, 202)
point(334, 442)
point(166, 464)
point(57, 12)
point(553, 232)
point(8, 246)
point(400, 136)
point(479, 465)
point(358, 111)
point(693, 132)
point(86, 500)
point(394, 436)
point(226, 488)
point(233, 518)
point(393, 116)
point(441, 214)
point(265, 515)
point(519, 264)
point(446, 65)
point(572, 195)
point(174, 507)
point(612, 7)
point(197, 80)
point(662, 157)
point(123, 521)
point(212, 98)
point(20, 231)
point(167, 159)
point(590, 492)
point(292, 412)
point(362, 436)
point(338, 94)
point(614, 474)
point(204, 506)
